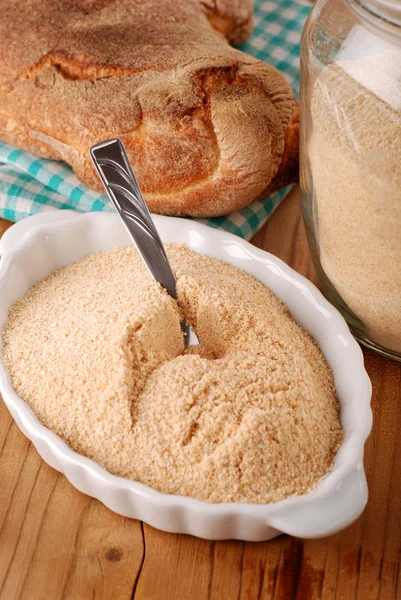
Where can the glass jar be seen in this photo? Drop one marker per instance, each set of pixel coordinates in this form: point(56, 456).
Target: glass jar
point(351, 162)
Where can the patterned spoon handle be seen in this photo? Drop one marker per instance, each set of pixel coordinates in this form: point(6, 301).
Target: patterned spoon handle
point(114, 169)
point(112, 164)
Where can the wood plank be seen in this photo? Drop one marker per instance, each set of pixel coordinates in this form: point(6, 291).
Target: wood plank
point(175, 566)
point(4, 225)
point(55, 542)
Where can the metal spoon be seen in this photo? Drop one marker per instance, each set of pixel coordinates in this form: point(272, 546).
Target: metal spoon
point(111, 163)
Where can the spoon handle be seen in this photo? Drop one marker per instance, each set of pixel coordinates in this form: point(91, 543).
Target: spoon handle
point(114, 169)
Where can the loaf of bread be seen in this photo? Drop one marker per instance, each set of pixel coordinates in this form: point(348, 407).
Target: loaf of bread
point(207, 128)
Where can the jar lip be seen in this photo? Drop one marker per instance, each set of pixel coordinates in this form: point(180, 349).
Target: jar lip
point(387, 10)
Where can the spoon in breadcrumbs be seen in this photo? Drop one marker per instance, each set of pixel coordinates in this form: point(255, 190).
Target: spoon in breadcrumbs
point(112, 165)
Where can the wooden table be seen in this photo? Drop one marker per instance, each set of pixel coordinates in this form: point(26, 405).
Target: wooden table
point(57, 543)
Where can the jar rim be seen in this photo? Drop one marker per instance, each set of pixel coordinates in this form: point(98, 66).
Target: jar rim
point(388, 11)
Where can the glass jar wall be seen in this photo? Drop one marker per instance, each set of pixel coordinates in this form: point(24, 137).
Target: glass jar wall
point(351, 162)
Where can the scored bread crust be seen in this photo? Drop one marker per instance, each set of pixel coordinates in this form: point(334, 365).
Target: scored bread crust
point(207, 128)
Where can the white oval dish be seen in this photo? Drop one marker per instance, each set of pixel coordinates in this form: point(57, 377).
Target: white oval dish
point(35, 247)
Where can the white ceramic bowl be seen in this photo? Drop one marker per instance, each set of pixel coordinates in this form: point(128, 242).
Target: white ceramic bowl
point(35, 247)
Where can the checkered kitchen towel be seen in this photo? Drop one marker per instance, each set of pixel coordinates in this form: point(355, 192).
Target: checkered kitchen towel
point(29, 184)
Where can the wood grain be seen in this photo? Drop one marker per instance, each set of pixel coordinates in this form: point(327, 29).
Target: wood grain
point(4, 225)
point(57, 543)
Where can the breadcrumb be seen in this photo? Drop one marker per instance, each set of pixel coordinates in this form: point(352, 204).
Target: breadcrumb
point(249, 415)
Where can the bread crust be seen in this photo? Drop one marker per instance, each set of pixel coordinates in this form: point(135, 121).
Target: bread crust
point(207, 128)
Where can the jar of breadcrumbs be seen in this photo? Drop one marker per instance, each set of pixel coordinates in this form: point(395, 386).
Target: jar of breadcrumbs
point(351, 162)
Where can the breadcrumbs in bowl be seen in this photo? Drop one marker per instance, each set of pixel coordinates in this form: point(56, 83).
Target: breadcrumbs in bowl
point(249, 415)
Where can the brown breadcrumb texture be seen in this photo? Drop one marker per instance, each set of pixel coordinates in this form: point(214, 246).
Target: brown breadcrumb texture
point(358, 215)
point(250, 415)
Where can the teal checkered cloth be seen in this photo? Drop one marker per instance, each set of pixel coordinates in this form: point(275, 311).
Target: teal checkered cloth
point(29, 184)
